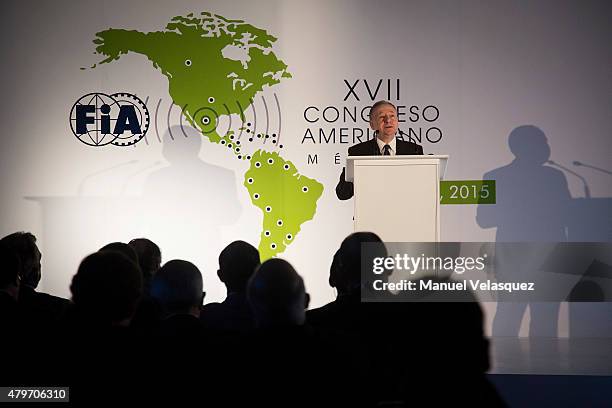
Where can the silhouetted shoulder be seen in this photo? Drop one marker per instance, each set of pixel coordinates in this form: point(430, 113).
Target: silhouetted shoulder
point(41, 308)
point(498, 172)
point(320, 317)
point(554, 173)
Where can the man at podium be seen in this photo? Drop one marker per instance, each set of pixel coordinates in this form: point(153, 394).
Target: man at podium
point(383, 120)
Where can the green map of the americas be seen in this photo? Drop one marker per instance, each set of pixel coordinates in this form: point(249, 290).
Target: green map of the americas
point(215, 67)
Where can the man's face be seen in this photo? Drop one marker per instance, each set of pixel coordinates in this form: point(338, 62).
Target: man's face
point(384, 120)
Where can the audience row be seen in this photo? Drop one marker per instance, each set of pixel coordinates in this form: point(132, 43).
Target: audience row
point(136, 330)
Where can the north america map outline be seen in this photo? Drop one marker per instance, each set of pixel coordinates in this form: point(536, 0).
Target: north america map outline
point(214, 64)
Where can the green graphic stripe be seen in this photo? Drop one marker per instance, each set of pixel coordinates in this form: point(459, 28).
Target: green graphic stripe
point(467, 192)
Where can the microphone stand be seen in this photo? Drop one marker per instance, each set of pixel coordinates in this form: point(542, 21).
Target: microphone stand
point(83, 182)
point(587, 191)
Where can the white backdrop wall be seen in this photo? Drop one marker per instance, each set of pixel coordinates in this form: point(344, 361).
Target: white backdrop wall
point(487, 67)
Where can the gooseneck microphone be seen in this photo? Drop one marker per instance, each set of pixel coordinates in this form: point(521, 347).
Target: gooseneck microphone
point(129, 178)
point(87, 178)
point(587, 191)
point(577, 163)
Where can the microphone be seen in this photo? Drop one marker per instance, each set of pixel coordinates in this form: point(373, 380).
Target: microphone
point(131, 176)
point(587, 191)
point(577, 163)
point(87, 178)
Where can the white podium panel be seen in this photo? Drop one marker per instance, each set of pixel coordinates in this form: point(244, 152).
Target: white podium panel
point(397, 197)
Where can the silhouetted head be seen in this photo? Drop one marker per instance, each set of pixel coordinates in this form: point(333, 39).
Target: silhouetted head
point(177, 286)
point(149, 255)
point(586, 291)
point(237, 262)
point(334, 271)
point(10, 267)
point(277, 295)
point(107, 286)
point(182, 144)
point(529, 144)
point(123, 248)
point(23, 244)
point(347, 276)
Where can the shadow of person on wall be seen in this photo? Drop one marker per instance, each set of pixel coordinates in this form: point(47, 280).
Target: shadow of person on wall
point(189, 200)
point(532, 206)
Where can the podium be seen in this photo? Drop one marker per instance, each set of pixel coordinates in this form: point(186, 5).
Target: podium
point(398, 197)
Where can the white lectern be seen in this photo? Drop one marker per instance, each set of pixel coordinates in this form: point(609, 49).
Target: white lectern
point(398, 197)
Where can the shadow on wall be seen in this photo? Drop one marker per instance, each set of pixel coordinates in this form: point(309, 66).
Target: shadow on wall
point(188, 201)
point(182, 207)
point(534, 205)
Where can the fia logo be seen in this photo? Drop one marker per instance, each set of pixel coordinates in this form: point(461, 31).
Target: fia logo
point(120, 119)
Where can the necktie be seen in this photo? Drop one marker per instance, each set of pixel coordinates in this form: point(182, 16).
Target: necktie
point(386, 150)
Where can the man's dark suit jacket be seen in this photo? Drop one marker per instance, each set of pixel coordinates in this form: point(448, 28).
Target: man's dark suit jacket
point(345, 189)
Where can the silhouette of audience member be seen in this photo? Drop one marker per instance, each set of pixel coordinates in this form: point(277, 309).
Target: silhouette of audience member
point(149, 260)
point(358, 321)
point(329, 315)
point(178, 288)
point(446, 341)
point(106, 290)
point(105, 293)
point(9, 287)
point(404, 344)
point(344, 313)
point(277, 295)
point(9, 316)
point(124, 249)
point(148, 314)
point(237, 263)
point(295, 356)
point(532, 206)
point(40, 309)
point(24, 322)
point(23, 244)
